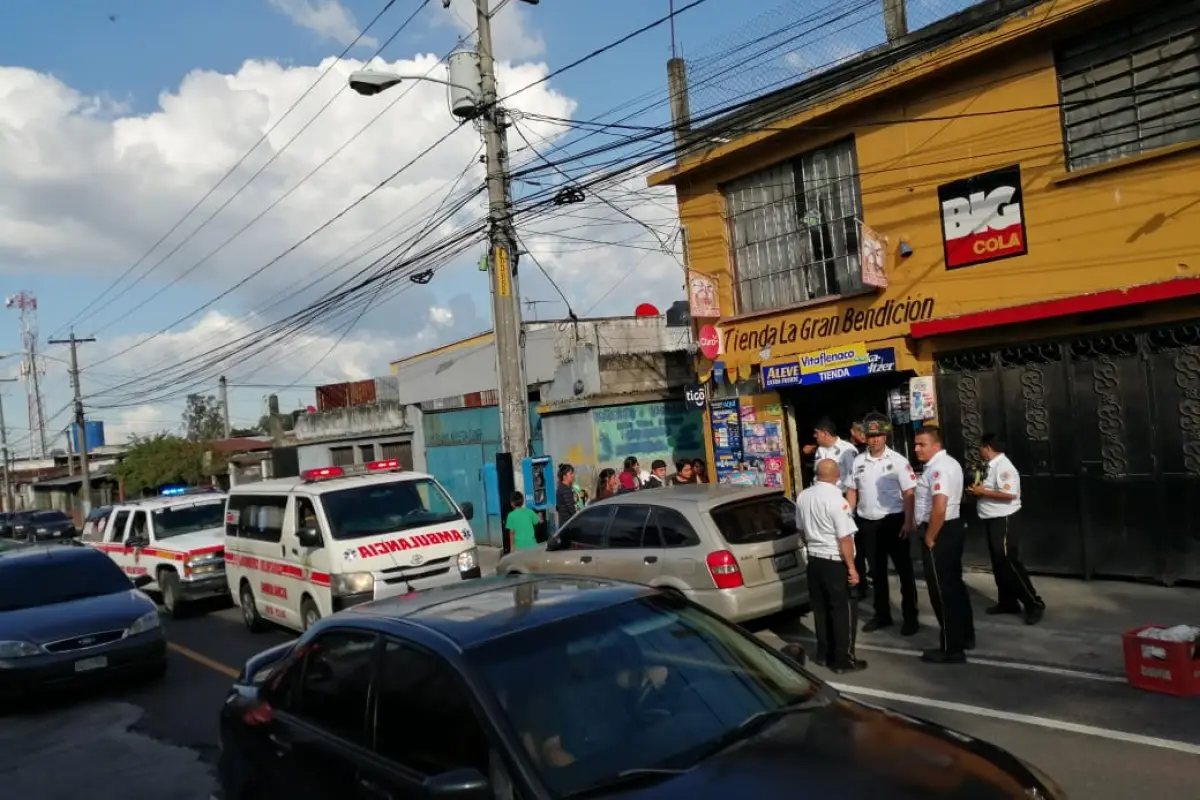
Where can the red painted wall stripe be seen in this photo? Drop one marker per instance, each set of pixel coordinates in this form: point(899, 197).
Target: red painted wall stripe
point(1049, 309)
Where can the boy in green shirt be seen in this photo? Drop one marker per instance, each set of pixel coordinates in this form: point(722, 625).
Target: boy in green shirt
point(520, 525)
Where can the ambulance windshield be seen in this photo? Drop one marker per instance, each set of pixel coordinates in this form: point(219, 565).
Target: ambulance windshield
point(386, 508)
point(181, 519)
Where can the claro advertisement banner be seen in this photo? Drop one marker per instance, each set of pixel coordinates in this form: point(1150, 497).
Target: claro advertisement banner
point(983, 218)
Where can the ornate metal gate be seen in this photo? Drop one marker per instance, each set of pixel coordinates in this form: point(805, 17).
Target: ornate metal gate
point(1105, 431)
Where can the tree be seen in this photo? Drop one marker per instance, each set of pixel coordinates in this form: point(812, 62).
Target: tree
point(202, 418)
point(161, 460)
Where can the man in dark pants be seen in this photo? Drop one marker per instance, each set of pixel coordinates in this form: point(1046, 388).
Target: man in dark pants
point(881, 495)
point(999, 496)
point(938, 505)
point(827, 530)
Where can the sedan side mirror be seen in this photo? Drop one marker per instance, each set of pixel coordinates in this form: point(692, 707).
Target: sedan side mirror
point(468, 510)
point(142, 581)
point(309, 537)
point(555, 543)
point(460, 784)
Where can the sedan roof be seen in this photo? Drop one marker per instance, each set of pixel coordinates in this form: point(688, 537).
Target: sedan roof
point(487, 608)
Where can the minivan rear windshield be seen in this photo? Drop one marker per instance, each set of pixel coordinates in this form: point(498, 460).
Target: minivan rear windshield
point(387, 508)
point(763, 519)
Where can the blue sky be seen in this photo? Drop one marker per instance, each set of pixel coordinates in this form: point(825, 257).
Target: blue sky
point(113, 127)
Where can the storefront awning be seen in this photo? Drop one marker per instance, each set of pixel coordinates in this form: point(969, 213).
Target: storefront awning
point(1062, 307)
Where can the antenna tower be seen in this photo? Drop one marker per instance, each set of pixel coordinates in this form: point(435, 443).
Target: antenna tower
point(31, 370)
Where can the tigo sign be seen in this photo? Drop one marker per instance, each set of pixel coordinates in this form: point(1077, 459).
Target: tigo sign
point(983, 218)
point(815, 368)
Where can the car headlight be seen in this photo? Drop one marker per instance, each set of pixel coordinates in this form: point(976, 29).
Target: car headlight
point(146, 622)
point(18, 649)
point(43, 530)
point(467, 560)
point(353, 583)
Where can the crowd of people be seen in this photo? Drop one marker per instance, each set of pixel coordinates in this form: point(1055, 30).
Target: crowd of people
point(860, 513)
point(570, 496)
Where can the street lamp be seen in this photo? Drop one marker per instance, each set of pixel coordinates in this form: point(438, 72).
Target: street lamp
point(464, 98)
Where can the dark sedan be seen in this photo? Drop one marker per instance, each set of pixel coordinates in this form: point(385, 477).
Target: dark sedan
point(45, 525)
point(553, 687)
point(69, 615)
point(11, 519)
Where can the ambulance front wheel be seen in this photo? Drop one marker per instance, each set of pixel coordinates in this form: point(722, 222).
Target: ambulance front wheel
point(309, 614)
point(254, 621)
point(168, 584)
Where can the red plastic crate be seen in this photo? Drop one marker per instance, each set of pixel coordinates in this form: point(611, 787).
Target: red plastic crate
point(1177, 674)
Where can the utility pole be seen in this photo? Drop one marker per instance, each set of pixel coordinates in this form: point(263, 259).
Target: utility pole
point(506, 310)
point(8, 498)
point(223, 398)
point(80, 424)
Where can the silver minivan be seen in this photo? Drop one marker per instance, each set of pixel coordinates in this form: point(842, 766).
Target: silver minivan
point(735, 550)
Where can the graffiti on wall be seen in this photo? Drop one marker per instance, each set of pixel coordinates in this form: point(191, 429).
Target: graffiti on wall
point(648, 431)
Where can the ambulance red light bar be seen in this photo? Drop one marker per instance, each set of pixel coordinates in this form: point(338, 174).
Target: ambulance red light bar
point(322, 474)
point(329, 473)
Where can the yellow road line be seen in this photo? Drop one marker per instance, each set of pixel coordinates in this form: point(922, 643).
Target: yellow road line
point(204, 660)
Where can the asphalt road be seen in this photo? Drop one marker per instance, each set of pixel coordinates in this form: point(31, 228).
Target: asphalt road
point(1096, 737)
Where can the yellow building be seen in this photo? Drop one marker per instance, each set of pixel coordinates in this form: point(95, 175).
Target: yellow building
point(1005, 204)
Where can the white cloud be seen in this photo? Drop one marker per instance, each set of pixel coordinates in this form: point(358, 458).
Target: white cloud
point(87, 186)
point(140, 421)
point(329, 19)
point(513, 38)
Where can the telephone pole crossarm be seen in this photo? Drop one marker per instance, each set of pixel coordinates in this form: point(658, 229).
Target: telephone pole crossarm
point(80, 426)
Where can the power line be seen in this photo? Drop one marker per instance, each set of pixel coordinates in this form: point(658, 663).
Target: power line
point(96, 300)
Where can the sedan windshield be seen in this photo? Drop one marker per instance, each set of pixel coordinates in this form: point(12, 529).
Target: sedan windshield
point(178, 520)
point(645, 688)
point(33, 582)
point(387, 507)
point(50, 518)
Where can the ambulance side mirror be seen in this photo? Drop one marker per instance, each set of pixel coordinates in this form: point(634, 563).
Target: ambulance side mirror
point(468, 510)
point(309, 537)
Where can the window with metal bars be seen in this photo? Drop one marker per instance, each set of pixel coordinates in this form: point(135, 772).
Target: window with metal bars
point(795, 229)
point(1133, 85)
point(341, 456)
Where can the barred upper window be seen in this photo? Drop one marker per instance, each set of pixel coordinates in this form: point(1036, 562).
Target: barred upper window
point(1133, 85)
point(795, 229)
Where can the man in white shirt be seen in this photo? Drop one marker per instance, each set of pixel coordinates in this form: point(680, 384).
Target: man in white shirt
point(835, 448)
point(881, 495)
point(938, 507)
point(999, 496)
point(827, 530)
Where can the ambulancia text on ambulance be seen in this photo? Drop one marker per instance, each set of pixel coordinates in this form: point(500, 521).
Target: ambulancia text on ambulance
point(173, 544)
point(299, 549)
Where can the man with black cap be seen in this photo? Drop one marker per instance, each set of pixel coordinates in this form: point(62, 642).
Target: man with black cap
point(882, 496)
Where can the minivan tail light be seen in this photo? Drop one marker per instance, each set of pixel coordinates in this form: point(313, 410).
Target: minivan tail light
point(726, 573)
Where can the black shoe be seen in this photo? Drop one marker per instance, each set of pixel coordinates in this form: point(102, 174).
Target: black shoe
point(1034, 615)
point(941, 657)
point(876, 624)
point(998, 609)
point(909, 628)
point(858, 666)
point(969, 644)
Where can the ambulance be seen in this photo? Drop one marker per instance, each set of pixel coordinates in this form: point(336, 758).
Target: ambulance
point(299, 549)
point(173, 544)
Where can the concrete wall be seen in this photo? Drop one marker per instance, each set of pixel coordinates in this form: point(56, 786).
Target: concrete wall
point(571, 438)
point(378, 424)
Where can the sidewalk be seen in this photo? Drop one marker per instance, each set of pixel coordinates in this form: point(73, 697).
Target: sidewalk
point(1081, 630)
